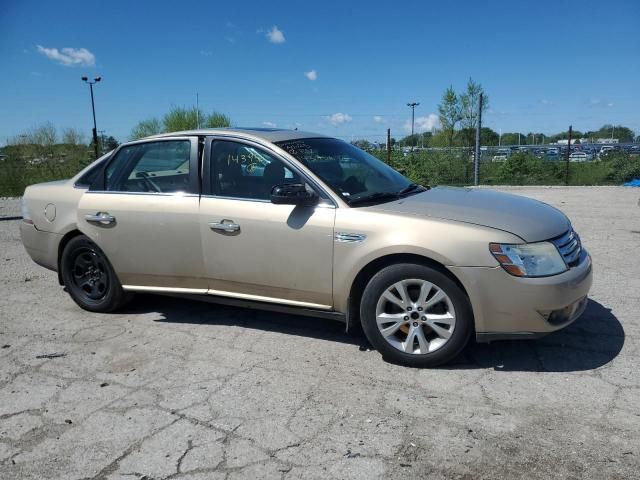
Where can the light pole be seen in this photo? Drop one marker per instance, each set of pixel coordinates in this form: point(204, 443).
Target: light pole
point(93, 108)
point(413, 106)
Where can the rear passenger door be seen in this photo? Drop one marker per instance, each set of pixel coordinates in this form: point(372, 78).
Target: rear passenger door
point(142, 211)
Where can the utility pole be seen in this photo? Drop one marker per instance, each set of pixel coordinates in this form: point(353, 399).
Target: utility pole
point(566, 171)
point(413, 106)
point(388, 146)
point(476, 166)
point(93, 108)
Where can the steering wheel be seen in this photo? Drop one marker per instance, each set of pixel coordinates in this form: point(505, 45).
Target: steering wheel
point(151, 185)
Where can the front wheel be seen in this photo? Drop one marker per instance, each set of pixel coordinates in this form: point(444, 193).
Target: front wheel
point(89, 277)
point(415, 315)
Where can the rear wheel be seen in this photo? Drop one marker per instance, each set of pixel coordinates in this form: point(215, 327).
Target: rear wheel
point(416, 315)
point(90, 278)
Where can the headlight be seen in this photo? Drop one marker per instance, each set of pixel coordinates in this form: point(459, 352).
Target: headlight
point(529, 259)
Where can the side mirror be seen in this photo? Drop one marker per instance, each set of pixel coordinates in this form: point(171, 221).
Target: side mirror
point(293, 194)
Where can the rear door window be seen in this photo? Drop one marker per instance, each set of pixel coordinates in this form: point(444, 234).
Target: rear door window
point(153, 167)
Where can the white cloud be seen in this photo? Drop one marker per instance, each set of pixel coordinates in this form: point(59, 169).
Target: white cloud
point(69, 56)
point(206, 53)
point(338, 118)
point(544, 101)
point(378, 119)
point(610, 104)
point(275, 35)
point(311, 75)
point(269, 124)
point(595, 101)
point(424, 124)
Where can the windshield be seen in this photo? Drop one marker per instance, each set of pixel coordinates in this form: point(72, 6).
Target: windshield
point(352, 173)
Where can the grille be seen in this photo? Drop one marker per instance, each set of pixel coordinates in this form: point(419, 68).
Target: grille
point(569, 247)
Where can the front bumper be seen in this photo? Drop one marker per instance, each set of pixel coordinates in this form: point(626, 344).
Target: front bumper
point(505, 306)
point(41, 246)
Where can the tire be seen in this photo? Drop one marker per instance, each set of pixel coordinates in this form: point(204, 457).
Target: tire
point(420, 329)
point(89, 277)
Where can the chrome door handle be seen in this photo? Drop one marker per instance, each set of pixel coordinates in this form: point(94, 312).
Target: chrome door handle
point(101, 218)
point(225, 226)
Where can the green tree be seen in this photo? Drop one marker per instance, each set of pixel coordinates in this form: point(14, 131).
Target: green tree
point(511, 138)
point(488, 137)
point(146, 128)
point(217, 120)
point(622, 133)
point(110, 143)
point(71, 136)
point(450, 112)
point(440, 140)
point(469, 102)
point(362, 144)
point(178, 119)
point(44, 135)
point(575, 134)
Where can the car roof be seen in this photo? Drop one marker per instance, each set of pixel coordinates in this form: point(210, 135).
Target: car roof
point(268, 134)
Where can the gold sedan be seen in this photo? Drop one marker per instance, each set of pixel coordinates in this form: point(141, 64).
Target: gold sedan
point(303, 223)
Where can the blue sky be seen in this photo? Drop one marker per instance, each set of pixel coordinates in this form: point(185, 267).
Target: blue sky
point(544, 64)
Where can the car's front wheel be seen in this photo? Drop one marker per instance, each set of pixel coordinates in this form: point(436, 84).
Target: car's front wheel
point(89, 277)
point(416, 315)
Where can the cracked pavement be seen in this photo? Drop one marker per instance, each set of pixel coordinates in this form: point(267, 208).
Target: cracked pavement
point(179, 389)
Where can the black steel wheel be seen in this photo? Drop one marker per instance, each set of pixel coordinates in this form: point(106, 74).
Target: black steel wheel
point(89, 277)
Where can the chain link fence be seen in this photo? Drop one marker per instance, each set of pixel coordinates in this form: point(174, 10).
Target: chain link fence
point(516, 165)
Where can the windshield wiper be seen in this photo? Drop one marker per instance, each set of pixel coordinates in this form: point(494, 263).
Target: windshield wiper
point(374, 197)
point(410, 188)
point(381, 196)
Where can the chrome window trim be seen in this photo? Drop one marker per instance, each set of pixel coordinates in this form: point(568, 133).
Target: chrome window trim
point(259, 200)
point(193, 160)
point(156, 194)
point(269, 148)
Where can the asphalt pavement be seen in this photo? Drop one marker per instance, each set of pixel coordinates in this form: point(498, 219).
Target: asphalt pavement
point(181, 389)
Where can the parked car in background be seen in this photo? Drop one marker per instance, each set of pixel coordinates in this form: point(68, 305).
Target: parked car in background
point(501, 155)
point(306, 224)
point(552, 154)
point(579, 157)
point(605, 150)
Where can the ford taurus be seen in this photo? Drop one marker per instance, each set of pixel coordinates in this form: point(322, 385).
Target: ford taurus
point(303, 223)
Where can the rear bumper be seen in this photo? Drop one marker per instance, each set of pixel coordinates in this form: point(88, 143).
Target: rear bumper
point(41, 246)
point(509, 307)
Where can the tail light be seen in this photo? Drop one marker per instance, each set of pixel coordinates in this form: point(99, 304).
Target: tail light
point(26, 216)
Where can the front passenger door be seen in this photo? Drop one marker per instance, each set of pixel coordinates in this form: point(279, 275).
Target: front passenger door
point(254, 249)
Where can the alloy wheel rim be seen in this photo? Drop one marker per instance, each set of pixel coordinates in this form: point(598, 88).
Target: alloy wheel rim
point(415, 316)
point(89, 274)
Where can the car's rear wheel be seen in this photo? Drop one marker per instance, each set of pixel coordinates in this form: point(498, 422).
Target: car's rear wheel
point(416, 315)
point(89, 277)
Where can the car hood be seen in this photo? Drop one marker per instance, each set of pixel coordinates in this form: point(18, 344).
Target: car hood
point(531, 220)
